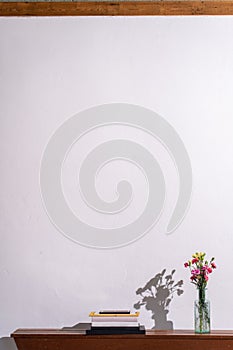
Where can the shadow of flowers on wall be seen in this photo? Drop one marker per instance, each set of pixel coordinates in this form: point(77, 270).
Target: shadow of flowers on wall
point(157, 295)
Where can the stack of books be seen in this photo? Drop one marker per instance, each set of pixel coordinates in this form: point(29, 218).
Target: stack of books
point(115, 322)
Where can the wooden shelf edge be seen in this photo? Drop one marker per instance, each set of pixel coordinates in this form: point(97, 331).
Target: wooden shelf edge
point(118, 8)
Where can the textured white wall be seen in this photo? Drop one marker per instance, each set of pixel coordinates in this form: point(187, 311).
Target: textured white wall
point(52, 68)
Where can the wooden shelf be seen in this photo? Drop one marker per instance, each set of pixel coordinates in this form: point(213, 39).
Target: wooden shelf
point(117, 8)
point(54, 339)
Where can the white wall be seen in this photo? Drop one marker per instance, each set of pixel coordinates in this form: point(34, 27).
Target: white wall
point(53, 68)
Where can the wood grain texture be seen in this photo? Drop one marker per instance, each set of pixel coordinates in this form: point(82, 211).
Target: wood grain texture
point(117, 8)
point(153, 340)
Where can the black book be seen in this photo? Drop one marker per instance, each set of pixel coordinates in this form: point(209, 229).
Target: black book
point(115, 330)
point(115, 312)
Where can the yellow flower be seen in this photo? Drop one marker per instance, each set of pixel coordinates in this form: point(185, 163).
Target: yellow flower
point(199, 255)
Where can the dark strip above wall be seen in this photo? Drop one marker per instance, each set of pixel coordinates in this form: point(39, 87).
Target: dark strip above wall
point(119, 8)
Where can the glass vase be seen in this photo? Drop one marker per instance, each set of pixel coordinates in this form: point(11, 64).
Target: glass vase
point(202, 312)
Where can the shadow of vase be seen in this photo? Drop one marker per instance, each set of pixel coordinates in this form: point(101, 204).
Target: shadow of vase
point(156, 297)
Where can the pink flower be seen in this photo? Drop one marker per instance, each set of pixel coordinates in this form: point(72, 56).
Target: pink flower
point(213, 265)
point(200, 268)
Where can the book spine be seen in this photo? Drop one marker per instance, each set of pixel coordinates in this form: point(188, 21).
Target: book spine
point(113, 319)
point(94, 314)
point(116, 330)
point(106, 312)
point(115, 324)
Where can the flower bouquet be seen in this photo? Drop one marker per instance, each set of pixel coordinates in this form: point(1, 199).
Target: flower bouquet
point(200, 269)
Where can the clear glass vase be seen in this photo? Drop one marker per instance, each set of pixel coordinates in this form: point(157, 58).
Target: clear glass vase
point(202, 312)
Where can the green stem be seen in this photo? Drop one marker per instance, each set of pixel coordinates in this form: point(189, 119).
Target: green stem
point(201, 293)
point(203, 309)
